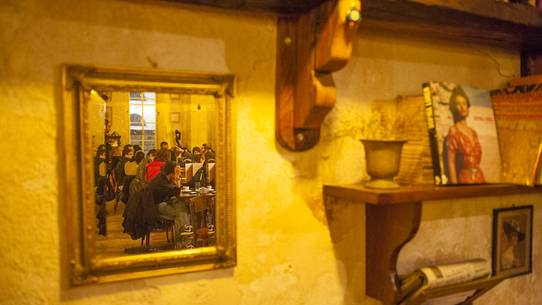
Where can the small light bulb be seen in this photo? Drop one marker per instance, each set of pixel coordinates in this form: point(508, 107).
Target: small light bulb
point(354, 15)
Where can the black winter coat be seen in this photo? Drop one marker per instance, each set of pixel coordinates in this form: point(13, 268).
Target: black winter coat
point(141, 214)
point(162, 189)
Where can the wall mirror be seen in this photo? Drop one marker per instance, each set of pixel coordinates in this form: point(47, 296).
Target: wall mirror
point(148, 173)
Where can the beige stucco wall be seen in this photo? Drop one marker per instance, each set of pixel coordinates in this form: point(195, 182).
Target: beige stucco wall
point(290, 251)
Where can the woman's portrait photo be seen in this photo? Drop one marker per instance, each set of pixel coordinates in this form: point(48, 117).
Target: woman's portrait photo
point(466, 134)
point(512, 229)
point(462, 146)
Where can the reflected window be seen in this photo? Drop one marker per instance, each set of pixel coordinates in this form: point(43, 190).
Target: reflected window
point(143, 119)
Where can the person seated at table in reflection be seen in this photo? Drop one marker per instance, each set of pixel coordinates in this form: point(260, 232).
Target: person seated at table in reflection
point(165, 188)
point(164, 154)
point(462, 149)
point(196, 154)
point(116, 155)
point(137, 148)
point(510, 257)
point(151, 156)
point(164, 146)
point(145, 208)
point(100, 179)
point(176, 154)
point(130, 170)
point(139, 181)
point(209, 153)
point(100, 166)
point(186, 155)
point(127, 155)
point(154, 166)
point(173, 155)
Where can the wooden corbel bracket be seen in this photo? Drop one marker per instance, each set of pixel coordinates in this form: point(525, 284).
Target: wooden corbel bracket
point(309, 48)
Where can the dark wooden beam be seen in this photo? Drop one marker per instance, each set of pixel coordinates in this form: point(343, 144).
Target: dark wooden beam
point(455, 12)
point(277, 6)
point(510, 25)
point(503, 24)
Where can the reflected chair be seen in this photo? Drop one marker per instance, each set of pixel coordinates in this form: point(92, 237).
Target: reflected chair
point(200, 207)
point(166, 225)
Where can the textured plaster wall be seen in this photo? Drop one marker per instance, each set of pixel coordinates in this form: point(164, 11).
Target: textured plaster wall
point(291, 249)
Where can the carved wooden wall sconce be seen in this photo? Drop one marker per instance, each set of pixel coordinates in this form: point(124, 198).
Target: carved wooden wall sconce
point(310, 47)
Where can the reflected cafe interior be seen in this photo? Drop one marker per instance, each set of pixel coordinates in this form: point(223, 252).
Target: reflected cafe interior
point(138, 137)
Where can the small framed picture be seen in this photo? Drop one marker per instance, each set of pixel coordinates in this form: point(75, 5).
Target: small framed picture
point(512, 241)
point(174, 117)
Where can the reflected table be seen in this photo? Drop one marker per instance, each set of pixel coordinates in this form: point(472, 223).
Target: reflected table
point(195, 223)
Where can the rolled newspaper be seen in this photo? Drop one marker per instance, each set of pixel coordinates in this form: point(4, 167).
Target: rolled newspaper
point(436, 276)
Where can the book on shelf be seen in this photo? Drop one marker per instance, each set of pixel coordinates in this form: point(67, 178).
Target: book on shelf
point(462, 134)
point(518, 111)
point(495, 139)
point(445, 275)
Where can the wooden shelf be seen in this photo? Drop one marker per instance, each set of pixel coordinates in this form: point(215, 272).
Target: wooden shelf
point(415, 193)
point(480, 286)
point(392, 220)
point(511, 25)
point(272, 6)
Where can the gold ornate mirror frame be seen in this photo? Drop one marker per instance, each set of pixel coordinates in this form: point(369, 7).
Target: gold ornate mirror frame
point(78, 183)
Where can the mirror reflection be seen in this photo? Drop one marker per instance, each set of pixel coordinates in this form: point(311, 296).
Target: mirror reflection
point(154, 170)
